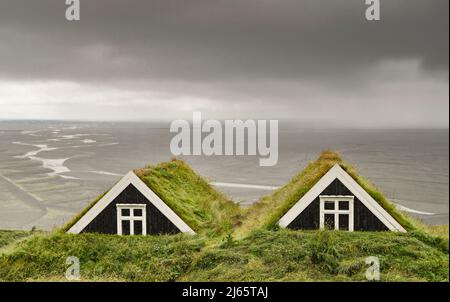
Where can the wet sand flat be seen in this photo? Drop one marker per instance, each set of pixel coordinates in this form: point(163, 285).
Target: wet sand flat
point(49, 171)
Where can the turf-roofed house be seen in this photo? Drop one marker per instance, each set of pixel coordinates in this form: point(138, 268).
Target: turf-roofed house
point(169, 198)
point(130, 208)
point(337, 201)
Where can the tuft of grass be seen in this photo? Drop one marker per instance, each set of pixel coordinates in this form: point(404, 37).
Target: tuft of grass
point(203, 208)
point(438, 230)
point(8, 237)
point(269, 209)
point(324, 251)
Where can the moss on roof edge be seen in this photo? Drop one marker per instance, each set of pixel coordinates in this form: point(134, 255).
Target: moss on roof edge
point(270, 208)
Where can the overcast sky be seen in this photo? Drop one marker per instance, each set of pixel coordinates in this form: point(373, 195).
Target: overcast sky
point(312, 61)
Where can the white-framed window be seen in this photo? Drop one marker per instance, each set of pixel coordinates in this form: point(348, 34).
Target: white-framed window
point(131, 219)
point(336, 212)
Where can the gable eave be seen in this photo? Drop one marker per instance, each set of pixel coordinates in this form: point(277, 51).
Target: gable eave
point(336, 172)
point(129, 178)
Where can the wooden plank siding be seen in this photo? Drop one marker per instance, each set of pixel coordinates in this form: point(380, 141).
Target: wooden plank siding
point(106, 221)
point(364, 219)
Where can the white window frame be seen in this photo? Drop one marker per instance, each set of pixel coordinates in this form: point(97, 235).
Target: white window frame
point(131, 218)
point(336, 211)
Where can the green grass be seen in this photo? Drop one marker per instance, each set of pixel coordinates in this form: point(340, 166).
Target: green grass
point(232, 244)
point(438, 230)
point(286, 255)
point(102, 257)
point(270, 208)
point(203, 208)
point(281, 255)
point(9, 237)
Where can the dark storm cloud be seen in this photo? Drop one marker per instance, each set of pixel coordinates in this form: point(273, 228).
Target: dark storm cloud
point(304, 60)
point(217, 40)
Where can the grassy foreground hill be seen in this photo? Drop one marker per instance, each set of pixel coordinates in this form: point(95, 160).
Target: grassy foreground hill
point(280, 255)
point(233, 244)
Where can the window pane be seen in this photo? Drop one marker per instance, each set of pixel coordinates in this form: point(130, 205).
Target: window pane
point(137, 212)
point(125, 227)
point(329, 205)
point(343, 222)
point(125, 212)
point(137, 227)
point(343, 205)
point(329, 221)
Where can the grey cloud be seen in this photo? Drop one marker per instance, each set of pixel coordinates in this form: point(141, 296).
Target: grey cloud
point(217, 40)
point(284, 58)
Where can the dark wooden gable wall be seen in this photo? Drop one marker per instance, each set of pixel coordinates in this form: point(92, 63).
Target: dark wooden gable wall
point(106, 221)
point(364, 219)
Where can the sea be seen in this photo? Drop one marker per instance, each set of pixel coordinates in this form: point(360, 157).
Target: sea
point(50, 170)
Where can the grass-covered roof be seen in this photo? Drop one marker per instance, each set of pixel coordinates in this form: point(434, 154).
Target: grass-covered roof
point(270, 208)
point(207, 210)
point(233, 244)
point(203, 208)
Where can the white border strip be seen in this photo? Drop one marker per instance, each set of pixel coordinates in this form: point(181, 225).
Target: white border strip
point(337, 172)
point(128, 179)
